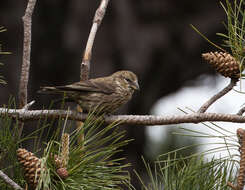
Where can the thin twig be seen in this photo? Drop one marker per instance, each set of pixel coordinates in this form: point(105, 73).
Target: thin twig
point(27, 106)
point(228, 88)
point(98, 17)
point(126, 119)
point(241, 111)
point(232, 186)
point(9, 181)
point(27, 21)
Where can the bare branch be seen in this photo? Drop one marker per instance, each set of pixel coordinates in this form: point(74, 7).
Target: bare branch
point(126, 119)
point(241, 111)
point(231, 185)
point(98, 17)
point(24, 77)
point(228, 88)
point(9, 181)
point(27, 20)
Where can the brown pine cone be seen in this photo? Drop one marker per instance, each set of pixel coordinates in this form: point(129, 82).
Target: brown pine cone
point(223, 63)
point(31, 165)
point(62, 172)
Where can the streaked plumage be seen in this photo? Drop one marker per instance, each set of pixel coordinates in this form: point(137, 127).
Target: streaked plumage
point(104, 93)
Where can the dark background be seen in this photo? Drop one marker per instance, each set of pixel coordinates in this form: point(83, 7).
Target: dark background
point(150, 37)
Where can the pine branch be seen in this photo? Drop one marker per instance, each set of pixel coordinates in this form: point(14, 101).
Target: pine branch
point(98, 17)
point(24, 115)
point(9, 181)
point(220, 94)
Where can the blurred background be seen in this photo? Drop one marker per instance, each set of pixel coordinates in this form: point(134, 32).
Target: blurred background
point(152, 38)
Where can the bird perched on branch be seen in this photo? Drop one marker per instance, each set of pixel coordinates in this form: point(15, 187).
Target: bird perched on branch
point(105, 94)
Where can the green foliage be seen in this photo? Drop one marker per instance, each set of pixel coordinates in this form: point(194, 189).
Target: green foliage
point(234, 39)
point(91, 165)
point(235, 26)
point(8, 146)
point(193, 173)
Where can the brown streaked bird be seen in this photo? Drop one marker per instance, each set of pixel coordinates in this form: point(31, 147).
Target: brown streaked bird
point(105, 94)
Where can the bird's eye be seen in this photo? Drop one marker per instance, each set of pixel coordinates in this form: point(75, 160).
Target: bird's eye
point(128, 80)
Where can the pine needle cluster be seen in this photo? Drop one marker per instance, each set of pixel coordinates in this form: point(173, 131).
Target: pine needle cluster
point(8, 147)
point(235, 26)
point(203, 170)
point(233, 40)
point(90, 164)
point(192, 173)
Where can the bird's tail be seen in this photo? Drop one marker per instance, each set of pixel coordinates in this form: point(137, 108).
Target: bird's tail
point(55, 91)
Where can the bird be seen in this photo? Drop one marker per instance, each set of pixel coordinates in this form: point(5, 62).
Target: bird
point(105, 94)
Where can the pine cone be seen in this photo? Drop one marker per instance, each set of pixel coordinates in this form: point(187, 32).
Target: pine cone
point(223, 63)
point(62, 172)
point(62, 160)
point(31, 165)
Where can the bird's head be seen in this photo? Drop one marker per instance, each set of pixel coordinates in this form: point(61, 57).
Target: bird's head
point(127, 79)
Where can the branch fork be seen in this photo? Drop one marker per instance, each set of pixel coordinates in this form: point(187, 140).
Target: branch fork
point(217, 96)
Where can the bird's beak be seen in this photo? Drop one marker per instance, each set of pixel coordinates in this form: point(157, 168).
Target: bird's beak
point(136, 85)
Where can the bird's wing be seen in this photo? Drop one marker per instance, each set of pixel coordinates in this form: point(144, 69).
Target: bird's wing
point(103, 85)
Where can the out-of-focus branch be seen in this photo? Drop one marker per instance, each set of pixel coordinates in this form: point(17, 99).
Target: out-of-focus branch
point(24, 77)
point(228, 88)
point(9, 181)
point(23, 115)
point(241, 111)
point(98, 17)
point(241, 173)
